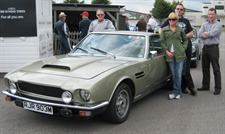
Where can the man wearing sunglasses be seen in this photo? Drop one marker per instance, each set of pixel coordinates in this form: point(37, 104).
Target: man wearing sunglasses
point(101, 24)
point(187, 81)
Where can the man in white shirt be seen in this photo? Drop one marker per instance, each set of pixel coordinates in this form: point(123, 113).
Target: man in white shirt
point(152, 24)
point(101, 24)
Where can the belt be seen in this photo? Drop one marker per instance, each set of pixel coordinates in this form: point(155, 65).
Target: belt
point(212, 45)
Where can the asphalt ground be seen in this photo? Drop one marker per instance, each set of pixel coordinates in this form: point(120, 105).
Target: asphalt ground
point(155, 114)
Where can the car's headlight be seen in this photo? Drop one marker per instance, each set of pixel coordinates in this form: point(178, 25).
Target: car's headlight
point(67, 97)
point(85, 95)
point(193, 49)
point(12, 88)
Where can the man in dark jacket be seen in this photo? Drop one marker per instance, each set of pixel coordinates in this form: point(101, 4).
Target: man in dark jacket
point(84, 25)
point(62, 31)
point(187, 81)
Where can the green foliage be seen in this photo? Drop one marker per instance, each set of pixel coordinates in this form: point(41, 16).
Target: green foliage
point(174, 4)
point(71, 1)
point(107, 2)
point(82, 2)
point(161, 9)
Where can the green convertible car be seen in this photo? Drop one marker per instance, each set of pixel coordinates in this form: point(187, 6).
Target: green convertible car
point(104, 74)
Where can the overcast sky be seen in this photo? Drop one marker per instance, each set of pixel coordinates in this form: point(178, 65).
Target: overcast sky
point(146, 5)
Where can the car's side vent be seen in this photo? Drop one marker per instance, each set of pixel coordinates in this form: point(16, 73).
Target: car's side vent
point(139, 74)
point(56, 67)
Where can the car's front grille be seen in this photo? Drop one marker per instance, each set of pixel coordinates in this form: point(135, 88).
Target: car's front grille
point(42, 90)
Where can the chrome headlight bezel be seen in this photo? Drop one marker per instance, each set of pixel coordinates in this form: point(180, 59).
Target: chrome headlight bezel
point(193, 48)
point(85, 95)
point(12, 88)
point(67, 97)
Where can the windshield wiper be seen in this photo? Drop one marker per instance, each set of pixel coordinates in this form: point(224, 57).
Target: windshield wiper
point(84, 50)
point(103, 52)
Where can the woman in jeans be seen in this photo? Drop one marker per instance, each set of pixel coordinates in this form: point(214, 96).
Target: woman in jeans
point(174, 42)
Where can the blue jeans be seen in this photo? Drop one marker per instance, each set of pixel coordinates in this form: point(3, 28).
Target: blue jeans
point(176, 69)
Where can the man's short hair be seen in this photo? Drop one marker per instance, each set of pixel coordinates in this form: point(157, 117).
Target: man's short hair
point(212, 9)
point(100, 9)
point(180, 4)
point(149, 15)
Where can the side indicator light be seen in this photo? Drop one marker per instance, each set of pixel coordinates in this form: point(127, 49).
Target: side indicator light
point(7, 98)
point(85, 113)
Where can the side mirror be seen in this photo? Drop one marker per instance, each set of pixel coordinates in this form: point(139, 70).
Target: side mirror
point(152, 53)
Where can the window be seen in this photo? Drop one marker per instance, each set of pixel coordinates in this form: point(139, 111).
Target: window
point(219, 7)
point(155, 44)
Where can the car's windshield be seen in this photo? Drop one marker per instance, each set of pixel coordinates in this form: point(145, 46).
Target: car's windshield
point(112, 44)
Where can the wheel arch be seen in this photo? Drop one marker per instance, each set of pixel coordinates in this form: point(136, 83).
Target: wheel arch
point(131, 85)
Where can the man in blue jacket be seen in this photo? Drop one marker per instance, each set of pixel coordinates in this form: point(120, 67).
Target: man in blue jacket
point(62, 32)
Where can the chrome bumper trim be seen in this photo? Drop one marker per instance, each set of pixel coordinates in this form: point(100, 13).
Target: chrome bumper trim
point(195, 58)
point(56, 104)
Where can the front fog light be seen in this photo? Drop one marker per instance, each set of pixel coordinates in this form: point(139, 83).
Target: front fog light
point(12, 88)
point(85, 95)
point(67, 97)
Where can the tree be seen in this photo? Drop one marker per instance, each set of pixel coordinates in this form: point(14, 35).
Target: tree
point(82, 2)
point(107, 2)
point(161, 9)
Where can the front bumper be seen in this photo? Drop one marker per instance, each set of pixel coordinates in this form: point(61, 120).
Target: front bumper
point(94, 109)
point(194, 58)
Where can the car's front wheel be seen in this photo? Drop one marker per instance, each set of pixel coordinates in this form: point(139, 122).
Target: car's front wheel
point(119, 107)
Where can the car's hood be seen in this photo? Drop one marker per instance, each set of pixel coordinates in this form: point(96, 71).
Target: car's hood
point(84, 67)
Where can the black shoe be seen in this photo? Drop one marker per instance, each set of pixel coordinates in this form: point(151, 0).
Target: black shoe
point(184, 91)
point(203, 89)
point(216, 93)
point(193, 92)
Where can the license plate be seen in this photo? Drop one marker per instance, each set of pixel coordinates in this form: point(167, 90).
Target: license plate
point(38, 107)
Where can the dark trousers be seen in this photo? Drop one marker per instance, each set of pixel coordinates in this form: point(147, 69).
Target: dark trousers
point(64, 46)
point(210, 54)
point(187, 80)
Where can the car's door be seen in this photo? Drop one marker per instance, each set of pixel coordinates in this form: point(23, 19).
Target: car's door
point(157, 65)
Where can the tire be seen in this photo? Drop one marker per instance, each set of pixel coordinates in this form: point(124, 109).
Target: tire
point(169, 84)
point(194, 63)
point(199, 57)
point(119, 107)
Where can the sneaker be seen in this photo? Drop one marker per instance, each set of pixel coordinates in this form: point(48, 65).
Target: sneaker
point(178, 96)
point(171, 96)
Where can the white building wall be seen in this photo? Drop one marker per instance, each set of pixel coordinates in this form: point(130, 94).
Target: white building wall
point(17, 51)
point(44, 26)
point(215, 4)
point(194, 18)
point(197, 18)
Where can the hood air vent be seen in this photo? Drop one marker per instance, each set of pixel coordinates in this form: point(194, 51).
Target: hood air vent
point(57, 67)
